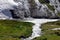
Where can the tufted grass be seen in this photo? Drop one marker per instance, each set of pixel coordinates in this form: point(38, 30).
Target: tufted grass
point(13, 30)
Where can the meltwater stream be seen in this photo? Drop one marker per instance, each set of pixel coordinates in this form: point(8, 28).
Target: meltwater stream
point(36, 28)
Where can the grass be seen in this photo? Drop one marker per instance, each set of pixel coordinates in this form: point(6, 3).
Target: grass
point(48, 37)
point(13, 30)
point(49, 34)
point(50, 25)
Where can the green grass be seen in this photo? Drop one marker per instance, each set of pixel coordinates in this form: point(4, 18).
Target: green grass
point(48, 37)
point(12, 30)
point(50, 25)
point(49, 34)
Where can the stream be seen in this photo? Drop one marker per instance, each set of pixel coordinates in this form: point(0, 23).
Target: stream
point(36, 31)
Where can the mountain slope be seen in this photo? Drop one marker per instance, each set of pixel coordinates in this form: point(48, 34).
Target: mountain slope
point(5, 6)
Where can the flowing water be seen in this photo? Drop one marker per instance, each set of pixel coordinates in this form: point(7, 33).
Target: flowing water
point(36, 28)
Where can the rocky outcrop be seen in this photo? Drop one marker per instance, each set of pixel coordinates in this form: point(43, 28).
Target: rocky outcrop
point(35, 9)
point(31, 8)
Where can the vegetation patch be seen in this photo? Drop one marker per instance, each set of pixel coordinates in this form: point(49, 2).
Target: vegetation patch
point(44, 1)
point(50, 25)
point(51, 7)
point(47, 3)
point(58, 13)
point(14, 30)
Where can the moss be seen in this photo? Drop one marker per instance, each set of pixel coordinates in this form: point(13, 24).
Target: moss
point(58, 13)
point(47, 3)
point(44, 1)
point(51, 7)
point(13, 30)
